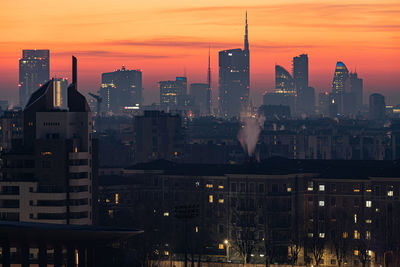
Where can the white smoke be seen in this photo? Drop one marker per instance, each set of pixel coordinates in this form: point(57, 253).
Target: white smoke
point(249, 132)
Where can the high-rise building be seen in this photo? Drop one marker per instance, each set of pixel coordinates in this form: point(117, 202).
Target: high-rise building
point(173, 94)
point(200, 95)
point(34, 71)
point(234, 79)
point(60, 95)
point(158, 135)
point(377, 107)
point(121, 89)
point(284, 83)
point(340, 86)
point(356, 85)
point(300, 73)
point(50, 174)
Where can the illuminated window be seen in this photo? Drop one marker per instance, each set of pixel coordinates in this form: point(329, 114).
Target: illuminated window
point(221, 246)
point(356, 190)
point(356, 252)
point(76, 149)
point(368, 235)
point(355, 218)
point(196, 229)
point(345, 235)
point(321, 203)
point(209, 186)
point(289, 189)
point(356, 234)
point(368, 221)
point(110, 213)
point(376, 210)
point(175, 154)
point(390, 193)
point(310, 235)
point(368, 190)
point(321, 187)
point(46, 153)
point(166, 253)
point(221, 200)
point(310, 186)
point(116, 199)
point(368, 203)
point(210, 199)
point(107, 200)
point(321, 235)
point(220, 187)
point(166, 214)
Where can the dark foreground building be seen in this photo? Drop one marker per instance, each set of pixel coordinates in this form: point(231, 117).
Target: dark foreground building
point(338, 210)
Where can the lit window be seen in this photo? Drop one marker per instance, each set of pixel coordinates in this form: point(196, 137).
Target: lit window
point(356, 234)
point(210, 199)
point(321, 235)
point(390, 193)
point(356, 190)
point(166, 253)
point(368, 221)
point(321, 203)
point(166, 214)
point(310, 235)
point(220, 187)
point(221, 200)
point(321, 187)
point(376, 210)
point(345, 235)
point(116, 199)
point(368, 203)
point(107, 200)
point(310, 186)
point(368, 190)
point(196, 229)
point(368, 235)
point(110, 213)
point(209, 185)
point(221, 246)
point(355, 218)
point(356, 252)
point(289, 189)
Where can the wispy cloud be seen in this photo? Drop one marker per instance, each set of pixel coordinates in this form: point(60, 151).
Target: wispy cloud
point(113, 54)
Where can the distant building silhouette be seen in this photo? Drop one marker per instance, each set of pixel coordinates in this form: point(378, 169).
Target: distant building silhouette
point(284, 83)
point(234, 79)
point(377, 107)
point(51, 171)
point(339, 84)
point(34, 71)
point(200, 97)
point(173, 94)
point(305, 101)
point(121, 88)
point(356, 85)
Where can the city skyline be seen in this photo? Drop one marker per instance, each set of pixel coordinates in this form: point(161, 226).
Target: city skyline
point(327, 33)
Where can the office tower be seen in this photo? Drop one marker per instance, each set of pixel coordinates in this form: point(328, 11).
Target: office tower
point(234, 79)
point(60, 95)
point(209, 92)
point(356, 85)
point(173, 94)
point(200, 95)
point(340, 86)
point(305, 101)
point(377, 107)
point(120, 89)
point(34, 71)
point(10, 128)
point(51, 172)
point(284, 83)
point(324, 101)
point(158, 135)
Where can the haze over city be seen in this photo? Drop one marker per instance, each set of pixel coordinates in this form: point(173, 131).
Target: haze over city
point(168, 39)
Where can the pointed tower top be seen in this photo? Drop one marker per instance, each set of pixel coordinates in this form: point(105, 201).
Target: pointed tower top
point(246, 36)
point(74, 72)
point(209, 69)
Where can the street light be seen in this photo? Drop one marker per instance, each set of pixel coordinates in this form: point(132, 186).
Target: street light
point(226, 242)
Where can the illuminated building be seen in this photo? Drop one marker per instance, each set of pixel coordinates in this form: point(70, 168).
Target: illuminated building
point(300, 73)
point(284, 83)
point(121, 88)
point(339, 85)
point(60, 87)
point(234, 79)
point(34, 70)
point(173, 94)
point(377, 107)
point(49, 175)
point(356, 85)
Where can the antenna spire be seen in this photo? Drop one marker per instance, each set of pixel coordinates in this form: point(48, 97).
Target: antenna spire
point(246, 36)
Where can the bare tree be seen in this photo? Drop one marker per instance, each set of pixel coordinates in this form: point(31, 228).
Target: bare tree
point(316, 245)
point(243, 234)
point(340, 240)
point(294, 250)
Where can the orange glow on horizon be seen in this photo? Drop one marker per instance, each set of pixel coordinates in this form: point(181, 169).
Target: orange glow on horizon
point(165, 38)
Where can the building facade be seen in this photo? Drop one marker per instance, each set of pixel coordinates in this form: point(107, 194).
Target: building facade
point(34, 71)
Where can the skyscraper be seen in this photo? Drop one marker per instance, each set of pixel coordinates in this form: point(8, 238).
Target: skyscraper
point(356, 85)
point(284, 83)
point(60, 94)
point(200, 95)
point(51, 171)
point(173, 94)
point(339, 84)
point(300, 73)
point(234, 79)
point(377, 107)
point(121, 88)
point(34, 71)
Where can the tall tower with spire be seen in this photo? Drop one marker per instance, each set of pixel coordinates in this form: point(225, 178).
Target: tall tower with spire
point(234, 79)
point(209, 82)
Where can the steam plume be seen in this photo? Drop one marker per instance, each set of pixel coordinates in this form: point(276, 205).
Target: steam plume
point(249, 132)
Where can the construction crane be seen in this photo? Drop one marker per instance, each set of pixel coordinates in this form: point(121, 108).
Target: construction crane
point(98, 100)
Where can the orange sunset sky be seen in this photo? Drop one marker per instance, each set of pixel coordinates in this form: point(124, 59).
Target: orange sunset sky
point(164, 38)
